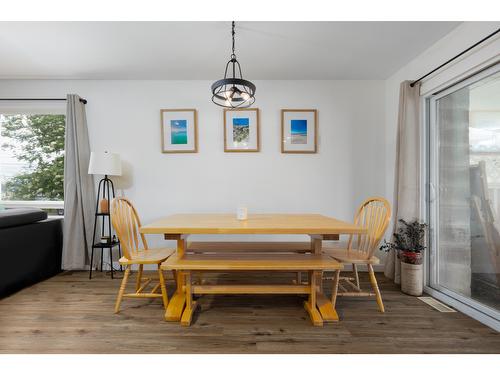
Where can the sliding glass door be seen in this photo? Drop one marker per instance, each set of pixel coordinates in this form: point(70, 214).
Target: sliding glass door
point(464, 192)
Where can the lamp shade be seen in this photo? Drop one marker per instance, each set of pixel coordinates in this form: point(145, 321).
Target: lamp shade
point(105, 163)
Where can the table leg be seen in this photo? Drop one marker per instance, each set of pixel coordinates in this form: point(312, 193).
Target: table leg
point(178, 300)
point(324, 305)
point(316, 248)
point(326, 309)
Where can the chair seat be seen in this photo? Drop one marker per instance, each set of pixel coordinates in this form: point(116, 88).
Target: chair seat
point(150, 256)
point(350, 256)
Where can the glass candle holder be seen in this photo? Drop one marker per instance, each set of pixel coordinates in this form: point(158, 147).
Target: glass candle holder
point(242, 213)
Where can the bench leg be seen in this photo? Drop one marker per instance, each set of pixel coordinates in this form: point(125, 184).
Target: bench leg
point(187, 315)
point(310, 305)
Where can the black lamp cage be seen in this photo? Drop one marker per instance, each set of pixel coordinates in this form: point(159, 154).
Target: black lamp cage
point(233, 91)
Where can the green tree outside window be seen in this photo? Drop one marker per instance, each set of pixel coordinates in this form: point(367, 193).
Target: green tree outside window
point(38, 141)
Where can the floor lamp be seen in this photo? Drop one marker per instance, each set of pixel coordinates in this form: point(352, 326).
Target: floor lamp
point(107, 164)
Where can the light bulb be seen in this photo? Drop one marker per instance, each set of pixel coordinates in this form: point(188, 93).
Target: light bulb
point(245, 96)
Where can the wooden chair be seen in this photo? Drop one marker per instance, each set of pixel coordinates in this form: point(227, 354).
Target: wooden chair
point(374, 214)
point(126, 224)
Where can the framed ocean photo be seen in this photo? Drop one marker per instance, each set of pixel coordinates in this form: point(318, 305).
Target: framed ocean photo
point(179, 132)
point(241, 130)
point(299, 131)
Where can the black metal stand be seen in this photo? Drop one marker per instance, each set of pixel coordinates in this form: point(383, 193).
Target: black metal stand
point(104, 187)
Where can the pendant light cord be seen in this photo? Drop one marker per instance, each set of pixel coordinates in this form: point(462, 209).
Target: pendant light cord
point(233, 55)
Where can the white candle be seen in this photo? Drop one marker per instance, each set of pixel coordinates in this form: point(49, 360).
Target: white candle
point(242, 213)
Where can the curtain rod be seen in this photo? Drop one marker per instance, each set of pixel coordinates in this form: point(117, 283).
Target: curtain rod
point(84, 101)
point(455, 57)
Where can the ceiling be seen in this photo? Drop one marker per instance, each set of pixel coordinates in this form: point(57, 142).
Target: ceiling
point(199, 50)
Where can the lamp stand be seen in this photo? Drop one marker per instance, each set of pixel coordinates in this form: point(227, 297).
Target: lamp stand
point(103, 192)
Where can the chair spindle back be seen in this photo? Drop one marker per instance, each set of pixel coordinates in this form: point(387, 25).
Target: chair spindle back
point(374, 214)
point(126, 223)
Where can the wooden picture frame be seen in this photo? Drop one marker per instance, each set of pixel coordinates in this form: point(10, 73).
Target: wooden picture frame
point(185, 139)
point(305, 142)
point(250, 120)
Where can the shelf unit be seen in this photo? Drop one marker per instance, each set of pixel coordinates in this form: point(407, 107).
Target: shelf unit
point(107, 190)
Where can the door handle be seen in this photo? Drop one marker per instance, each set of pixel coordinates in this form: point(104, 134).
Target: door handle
point(432, 192)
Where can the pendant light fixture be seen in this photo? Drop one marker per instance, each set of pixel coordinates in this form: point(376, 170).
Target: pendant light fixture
point(233, 91)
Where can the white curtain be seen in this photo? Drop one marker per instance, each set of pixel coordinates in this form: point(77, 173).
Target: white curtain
point(79, 190)
point(407, 172)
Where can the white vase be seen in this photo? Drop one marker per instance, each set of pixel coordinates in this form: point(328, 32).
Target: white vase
point(412, 279)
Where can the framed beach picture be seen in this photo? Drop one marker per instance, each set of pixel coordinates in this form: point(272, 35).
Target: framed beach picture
point(299, 129)
point(179, 132)
point(241, 130)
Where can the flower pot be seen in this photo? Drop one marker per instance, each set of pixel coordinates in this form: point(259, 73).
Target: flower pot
point(412, 279)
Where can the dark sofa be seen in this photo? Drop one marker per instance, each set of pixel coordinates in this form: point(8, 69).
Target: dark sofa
point(30, 248)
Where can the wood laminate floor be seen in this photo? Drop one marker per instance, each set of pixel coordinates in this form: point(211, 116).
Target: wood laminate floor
point(71, 314)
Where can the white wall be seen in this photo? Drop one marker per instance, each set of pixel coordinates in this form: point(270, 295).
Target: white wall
point(124, 117)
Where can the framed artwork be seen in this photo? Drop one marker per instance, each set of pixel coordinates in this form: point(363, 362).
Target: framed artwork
point(179, 130)
point(241, 130)
point(299, 129)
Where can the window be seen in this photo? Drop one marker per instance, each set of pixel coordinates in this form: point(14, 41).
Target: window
point(464, 199)
point(32, 158)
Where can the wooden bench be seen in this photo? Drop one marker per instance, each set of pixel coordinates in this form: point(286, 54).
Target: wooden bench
point(251, 247)
point(314, 264)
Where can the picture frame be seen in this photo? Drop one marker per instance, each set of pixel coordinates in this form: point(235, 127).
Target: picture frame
point(179, 131)
point(299, 131)
point(242, 130)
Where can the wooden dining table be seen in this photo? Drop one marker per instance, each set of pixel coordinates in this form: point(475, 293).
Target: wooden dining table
point(179, 226)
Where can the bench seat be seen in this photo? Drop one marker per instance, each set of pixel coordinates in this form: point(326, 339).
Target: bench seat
point(251, 262)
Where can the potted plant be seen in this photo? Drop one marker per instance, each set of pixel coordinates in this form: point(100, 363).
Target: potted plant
point(409, 246)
